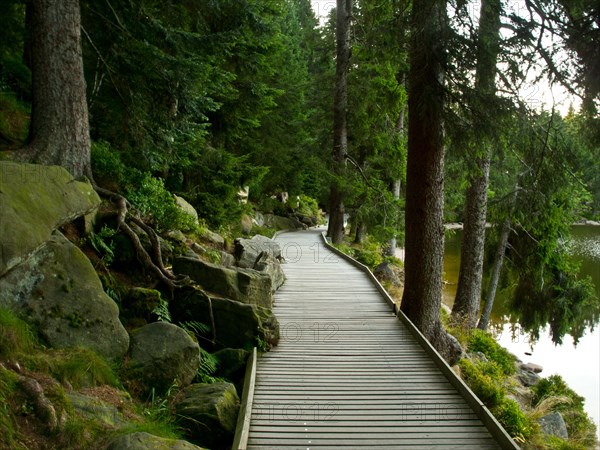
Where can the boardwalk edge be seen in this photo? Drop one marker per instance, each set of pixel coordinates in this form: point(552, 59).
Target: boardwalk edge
point(482, 412)
point(242, 429)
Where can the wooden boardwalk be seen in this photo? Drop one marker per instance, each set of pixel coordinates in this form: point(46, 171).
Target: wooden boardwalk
point(347, 373)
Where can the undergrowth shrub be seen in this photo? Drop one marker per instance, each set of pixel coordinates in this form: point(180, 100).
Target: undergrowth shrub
point(8, 385)
point(480, 341)
point(485, 380)
point(369, 253)
point(16, 336)
point(514, 420)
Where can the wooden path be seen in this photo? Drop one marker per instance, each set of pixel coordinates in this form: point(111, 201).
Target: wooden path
point(347, 373)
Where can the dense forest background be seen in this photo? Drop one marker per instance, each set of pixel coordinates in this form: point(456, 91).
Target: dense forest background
point(205, 98)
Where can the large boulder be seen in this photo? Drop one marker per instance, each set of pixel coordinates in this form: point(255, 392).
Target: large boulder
point(58, 291)
point(208, 413)
point(553, 424)
point(262, 254)
point(96, 410)
point(161, 354)
point(244, 285)
point(283, 223)
point(145, 441)
point(186, 208)
point(247, 251)
point(236, 325)
point(35, 200)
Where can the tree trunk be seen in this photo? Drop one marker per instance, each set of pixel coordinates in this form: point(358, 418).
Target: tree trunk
point(468, 294)
point(340, 132)
point(493, 283)
point(396, 184)
point(59, 131)
point(361, 232)
point(422, 296)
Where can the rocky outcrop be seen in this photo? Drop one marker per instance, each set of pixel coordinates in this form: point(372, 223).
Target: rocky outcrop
point(35, 200)
point(282, 223)
point(208, 412)
point(161, 354)
point(262, 254)
point(232, 366)
point(553, 424)
point(527, 377)
point(58, 291)
point(233, 324)
point(242, 285)
point(216, 239)
point(145, 441)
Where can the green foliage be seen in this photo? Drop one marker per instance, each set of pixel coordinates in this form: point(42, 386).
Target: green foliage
point(16, 336)
point(8, 386)
point(156, 204)
point(485, 379)
point(480, 341)
point(514, 420)
point(14, 119)
point(370, 254)
point(80, 367)
point(579, 425)
point(103, 244)
point(162, 311)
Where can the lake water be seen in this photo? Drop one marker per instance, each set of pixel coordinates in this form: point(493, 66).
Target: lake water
point(578, 365)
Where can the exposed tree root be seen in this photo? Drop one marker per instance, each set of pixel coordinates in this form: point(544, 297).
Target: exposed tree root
point(156, 265)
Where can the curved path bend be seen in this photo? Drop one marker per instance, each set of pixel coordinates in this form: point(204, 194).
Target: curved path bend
point(347, 373)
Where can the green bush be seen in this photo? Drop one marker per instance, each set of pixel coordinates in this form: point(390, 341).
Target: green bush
point(156, 204)
point(107, 166)
point(370, 254)
point(485, 380)
point(480, 341)
point(514, 420)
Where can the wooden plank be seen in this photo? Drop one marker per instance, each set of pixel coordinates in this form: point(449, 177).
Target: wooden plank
point(240, 440)
point(346, 372)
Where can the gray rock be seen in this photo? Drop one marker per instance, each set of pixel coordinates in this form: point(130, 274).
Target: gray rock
point(527, 378)
point(283, 223)
point(232, 365)
point(384, 272)
point(262, 254)
point(214, 238)
point(146, 441)
point(236, 325)
point(536, 368)
point(477, 356)
point(553, 424)
point(186, 208)
point(96, 410)
point(58, 291)
point(197, 248)
point(268, 265)
point(227, 259)
point(259, 219)
point(247, 251)
point(208, 412)
point(162, 354)
point(244, 285)
point(35, 200)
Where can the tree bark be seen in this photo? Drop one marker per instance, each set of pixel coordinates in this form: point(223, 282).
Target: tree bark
point(496, 270)
point(59, 130)
point(340, 127)
point(424, 244)
point(468, 294)
point(361, 232)
point(390, 249)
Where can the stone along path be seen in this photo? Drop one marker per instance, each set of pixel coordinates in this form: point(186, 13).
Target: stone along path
point(347, 373)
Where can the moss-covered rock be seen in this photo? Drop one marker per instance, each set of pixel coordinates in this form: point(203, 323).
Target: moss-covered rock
point(161, 354)
point(208, 412)
point(35, 200)
point(97, 411)
point(244, 285)
point(59, 293)
point(145, 441)
point(237, 325)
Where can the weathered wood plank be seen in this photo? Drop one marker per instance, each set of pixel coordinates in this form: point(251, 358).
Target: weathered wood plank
point(347, 373)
